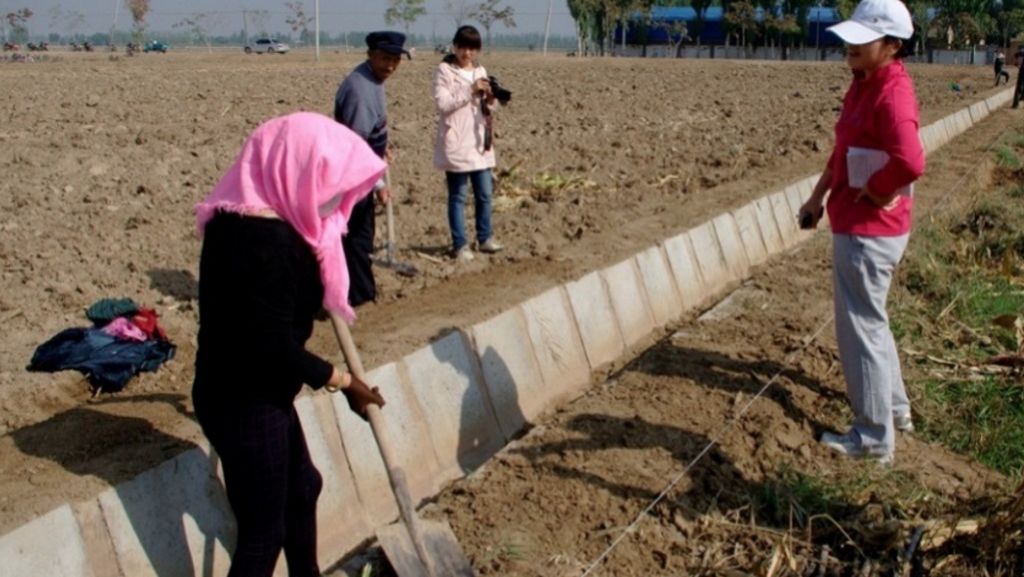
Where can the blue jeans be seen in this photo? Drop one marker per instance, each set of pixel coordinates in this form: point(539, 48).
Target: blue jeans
point(458, 187)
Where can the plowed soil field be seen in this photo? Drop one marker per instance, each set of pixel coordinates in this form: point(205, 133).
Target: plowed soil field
point(103, 158)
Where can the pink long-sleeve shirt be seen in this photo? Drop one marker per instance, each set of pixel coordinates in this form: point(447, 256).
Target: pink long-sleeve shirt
point(879, 113)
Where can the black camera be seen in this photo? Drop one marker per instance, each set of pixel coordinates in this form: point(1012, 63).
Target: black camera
point(502, 94)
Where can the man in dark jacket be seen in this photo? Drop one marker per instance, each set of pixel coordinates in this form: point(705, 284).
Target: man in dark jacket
point(360, 104)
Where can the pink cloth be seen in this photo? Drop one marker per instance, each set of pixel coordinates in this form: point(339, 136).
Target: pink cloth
point(125, 330)
point(300, 166)
point(879, 113)
point(459, 144)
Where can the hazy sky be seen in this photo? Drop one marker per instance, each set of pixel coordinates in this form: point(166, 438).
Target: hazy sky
point(335, 15)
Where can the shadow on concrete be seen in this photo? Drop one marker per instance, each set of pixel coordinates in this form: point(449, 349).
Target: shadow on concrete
point(165, 488)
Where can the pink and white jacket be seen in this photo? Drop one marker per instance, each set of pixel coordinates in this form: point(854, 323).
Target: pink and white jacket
point(459, 146)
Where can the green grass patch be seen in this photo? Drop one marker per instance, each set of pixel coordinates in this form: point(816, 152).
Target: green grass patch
point(794, 497)
point(1005, 156)
point(983, 418)
point(962, 272)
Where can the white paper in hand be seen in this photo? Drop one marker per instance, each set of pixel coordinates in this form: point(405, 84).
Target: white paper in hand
point(861, 163)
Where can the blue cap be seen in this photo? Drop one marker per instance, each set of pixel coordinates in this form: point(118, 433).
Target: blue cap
point(388, 41)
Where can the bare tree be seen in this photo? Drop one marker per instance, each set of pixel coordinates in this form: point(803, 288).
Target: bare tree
point(56, 17)
point(17, 21)
point(259, 20)
point(68, 21)
point(139, 10)
point(459, 10)
point(677, 33)
point(198, 25)
point(298, 21)
point(488, 13)
point(404, 11)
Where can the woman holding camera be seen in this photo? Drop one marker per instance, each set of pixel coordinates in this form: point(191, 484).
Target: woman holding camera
point(463, 96)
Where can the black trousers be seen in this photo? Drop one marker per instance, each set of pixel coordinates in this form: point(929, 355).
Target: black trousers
point(1002, 74)
point(358, 246)
point(1018, 91)
point(271, 483)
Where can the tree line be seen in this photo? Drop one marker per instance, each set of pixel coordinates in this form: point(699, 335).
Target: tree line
point(953, 24)
point(198, 25)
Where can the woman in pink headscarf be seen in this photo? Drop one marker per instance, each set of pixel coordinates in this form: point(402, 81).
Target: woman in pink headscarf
point(270, 261)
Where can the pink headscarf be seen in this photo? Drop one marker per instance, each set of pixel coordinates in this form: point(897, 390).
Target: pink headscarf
point(310, 171)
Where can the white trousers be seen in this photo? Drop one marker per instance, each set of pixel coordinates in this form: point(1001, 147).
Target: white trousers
point(862, 268)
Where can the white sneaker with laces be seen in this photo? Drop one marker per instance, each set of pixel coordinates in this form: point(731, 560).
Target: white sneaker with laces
point(848, 445)
point(491, 246)
point(903, 423)
point(464, 254)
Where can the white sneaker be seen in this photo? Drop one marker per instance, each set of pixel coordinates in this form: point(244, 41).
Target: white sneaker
point(847, 445)
point(903, 423)
point(464, 254)
point(491, 246)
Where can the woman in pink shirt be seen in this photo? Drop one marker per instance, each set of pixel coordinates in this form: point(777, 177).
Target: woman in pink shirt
point(877, 157)
point(463, 147)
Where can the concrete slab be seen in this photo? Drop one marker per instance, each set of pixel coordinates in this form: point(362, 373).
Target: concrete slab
point(557, 346)
point(171, 521)
point(946, 129)
point(343, 523)
point(965, 119)
point(1002, 98)
point(595, 318)
point(941, 132)
point(629, 301)
point(446, 380)
point(511, 373)
point(713, 268)
point(928, 138)
point(806, 186)
point(750, 233)
point(769, 228)
point(953, 125)
point(686, 271)
point(662, 294)
point(978, 111)
point(95, 538)
point(952, 129)
point(49, 545)
point(785, 218)
point(406, 426)
point(729, 240)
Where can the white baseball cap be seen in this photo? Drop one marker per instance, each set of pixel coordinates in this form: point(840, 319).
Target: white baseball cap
point(874, 19)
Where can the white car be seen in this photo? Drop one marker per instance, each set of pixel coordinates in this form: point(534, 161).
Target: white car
point(267, 45)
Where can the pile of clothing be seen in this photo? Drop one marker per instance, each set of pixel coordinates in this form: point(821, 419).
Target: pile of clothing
point(125, 339)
